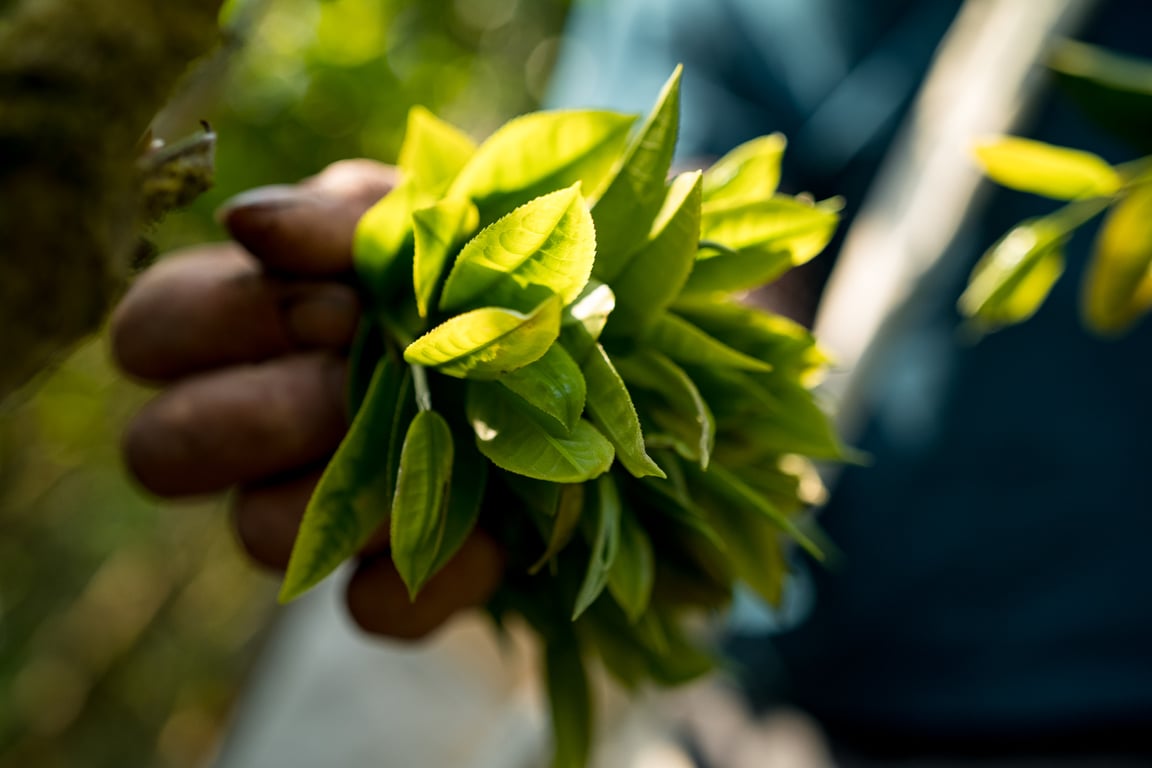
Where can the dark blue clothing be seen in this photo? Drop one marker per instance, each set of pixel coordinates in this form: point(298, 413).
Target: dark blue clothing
point(996, 584)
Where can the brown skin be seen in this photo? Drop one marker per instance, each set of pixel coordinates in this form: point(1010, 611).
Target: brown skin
point(247, 340)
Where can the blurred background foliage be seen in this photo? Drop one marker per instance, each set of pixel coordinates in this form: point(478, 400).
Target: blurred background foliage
point(126, 628)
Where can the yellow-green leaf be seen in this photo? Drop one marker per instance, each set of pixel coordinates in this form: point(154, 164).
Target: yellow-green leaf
point(383, 233)
point(487, 343)
point(685, 343)
point(553, 385)
point(420, 504)
point(675, 405)
point(439, 231)
point(544, 247)
point(610, 408)
point(1045, 169)
point(780, 223)
point(751, 171)
point(433, 151)
point(1011, 280)
point(1118, 286)
point(584, 319)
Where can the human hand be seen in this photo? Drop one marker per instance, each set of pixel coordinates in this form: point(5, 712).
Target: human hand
point(248, 340)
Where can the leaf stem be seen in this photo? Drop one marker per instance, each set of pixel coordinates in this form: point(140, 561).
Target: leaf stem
point(420, 383)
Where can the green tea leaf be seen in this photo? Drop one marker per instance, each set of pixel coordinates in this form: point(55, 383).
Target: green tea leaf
point(383, 233)
point(544, 247)
point(729, 271)
point(420, 505)
point(656, 273)
point(680, 410)
point(584, 320)
point(634, 195)
point(487, 343)
point(685, 343)
point(439, 231)
point(633, 572)
point(570, 703)
point(566, 516)
point(537, 153)
point(1013, 278)
point(433, 151)
point(514, 440)
point(751, 171)
point(779, 223)
point(1112, 89)
point(355, 491)
point(469, 480)
point(772, 414)
point(367, 348)
point(603, 529)
point(553, 385)
point(610, 408)
point(1118, 286)
point(1044, 169)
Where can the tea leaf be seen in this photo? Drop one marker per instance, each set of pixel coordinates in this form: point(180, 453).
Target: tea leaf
point(420, 505)
point(685, 343)
point(569, 505)
point(656, 273)
point(382, 234)
point(680, 410)
point(584, 319)
point(1013, 278)
point(610, 408)
point(433, 151)
point(729, 271)
point(633, 571)
point(469, 479)
point(543, 247)
point(538, 153)
point(553, 385)
point(487, 343)
point(1044, 169)
point(633, 197)
point(603, 528)
point(513, 440)
point(1118, 287)
point(779, 223)
point(439, 230)
point(570, 702)
point(751, 171)
point(355, 491)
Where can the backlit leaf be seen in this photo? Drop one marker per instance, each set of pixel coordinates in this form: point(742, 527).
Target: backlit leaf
point(1013, 278)
point(584, 319)
point(433, 151)
point(420, 505)
point(779, 223)
point(487, 343)
point(611, 410)
point(656, 273)
point(543, 247)
point(537, 153)
point(634, 194)
point(354, 494)
point(679, 410)
point(729, 271)
point(1045, 169)
point(1118, 287)
point(553, 385)
point(751, 171)
point(601, 524)
point(383, 233)
point(685, 343)
point(439, 231)
point(514, 440)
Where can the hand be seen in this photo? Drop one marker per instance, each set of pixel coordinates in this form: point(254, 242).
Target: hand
point(248, 340)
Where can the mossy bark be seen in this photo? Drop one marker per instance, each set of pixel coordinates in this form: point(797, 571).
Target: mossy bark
point(80, 81)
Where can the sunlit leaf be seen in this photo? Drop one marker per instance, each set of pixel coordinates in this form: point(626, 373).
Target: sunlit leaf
point(679, 411)
point(420, 505)
point(1118, 287)
point(570, 703)
point(554, 385)
point(354, 494)
point(610, 408)
point(685, 343)
point(433, 151)
point(383, 233)
point(543, 247)
point(1011, 280)
point(729, 271)
point(656, 273)
point(633, 572)
point(601, 525)
point(465, 497)
point(751, 171)
point(1045, 169)
point(566, 517)
point(584, 319)
point(634, 194)
point(538, 153)
point(514, 440)
point(439, 231)
point(780, 223)
point(487, 343)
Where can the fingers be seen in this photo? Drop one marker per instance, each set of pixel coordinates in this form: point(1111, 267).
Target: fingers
point(267, 517)
point(213, 306)
point(379, 603)
point(238, 425)
point(307, 229)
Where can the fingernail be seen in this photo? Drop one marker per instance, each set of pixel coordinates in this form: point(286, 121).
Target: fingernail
point(272, 197)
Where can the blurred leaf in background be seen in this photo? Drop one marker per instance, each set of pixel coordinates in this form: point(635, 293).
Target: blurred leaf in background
point(124, 628)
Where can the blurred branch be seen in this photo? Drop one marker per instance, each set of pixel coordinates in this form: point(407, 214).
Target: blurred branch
point(80, 81)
